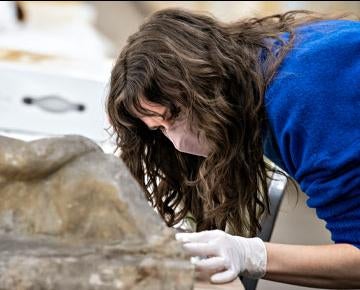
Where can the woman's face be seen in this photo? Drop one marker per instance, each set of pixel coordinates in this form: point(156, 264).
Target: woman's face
point(178, 131)
point(156, 122)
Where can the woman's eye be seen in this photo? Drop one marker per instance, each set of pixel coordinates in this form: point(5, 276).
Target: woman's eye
point(174, 115)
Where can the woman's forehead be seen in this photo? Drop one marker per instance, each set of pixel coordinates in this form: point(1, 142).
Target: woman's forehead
point(152, 107)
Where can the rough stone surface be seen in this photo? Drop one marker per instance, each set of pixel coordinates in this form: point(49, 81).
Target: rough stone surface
point(72, 217)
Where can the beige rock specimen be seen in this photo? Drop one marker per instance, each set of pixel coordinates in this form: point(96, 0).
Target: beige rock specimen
point(72, 217)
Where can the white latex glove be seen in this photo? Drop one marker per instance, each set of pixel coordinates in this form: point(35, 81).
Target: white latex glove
point(227, 256)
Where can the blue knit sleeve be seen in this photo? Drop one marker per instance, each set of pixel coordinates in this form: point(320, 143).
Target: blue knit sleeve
point(313, 108)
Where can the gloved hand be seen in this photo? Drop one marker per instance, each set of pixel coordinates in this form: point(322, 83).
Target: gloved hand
point(227, 256)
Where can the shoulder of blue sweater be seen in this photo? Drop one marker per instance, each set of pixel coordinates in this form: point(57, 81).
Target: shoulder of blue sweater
point(321, 50)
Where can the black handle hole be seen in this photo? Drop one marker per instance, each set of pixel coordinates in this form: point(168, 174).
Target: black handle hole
point(81, 108)
point(28, 100)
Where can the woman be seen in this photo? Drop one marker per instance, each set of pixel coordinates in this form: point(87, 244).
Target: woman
point(195, 104)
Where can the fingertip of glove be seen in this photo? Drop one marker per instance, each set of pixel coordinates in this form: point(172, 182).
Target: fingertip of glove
point(181, 237)
point(214, 279)
point(223, 277)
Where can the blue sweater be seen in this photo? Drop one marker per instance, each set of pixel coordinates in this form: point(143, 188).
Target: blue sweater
point(313, 110)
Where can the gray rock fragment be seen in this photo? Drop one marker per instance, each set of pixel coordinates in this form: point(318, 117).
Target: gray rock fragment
point(72, 217)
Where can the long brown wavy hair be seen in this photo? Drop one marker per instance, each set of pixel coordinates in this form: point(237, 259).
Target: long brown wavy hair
point(212, 70)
